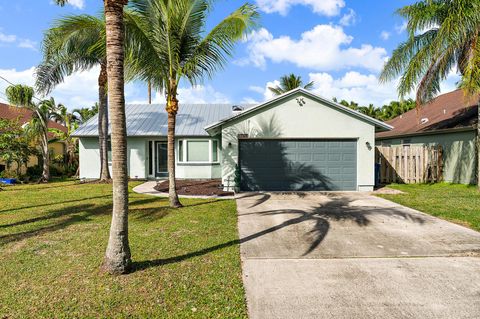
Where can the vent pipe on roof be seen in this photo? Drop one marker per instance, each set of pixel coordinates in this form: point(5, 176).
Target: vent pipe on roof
point(424, 120)
point(236, 109)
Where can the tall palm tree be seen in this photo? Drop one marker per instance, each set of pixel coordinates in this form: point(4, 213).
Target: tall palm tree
point(77, 43)
point(290, 82)
point(443, 34)
point(43, 112)
point(174, 46)
point(117, 256)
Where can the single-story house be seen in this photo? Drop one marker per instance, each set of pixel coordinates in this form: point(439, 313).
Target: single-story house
point(449, 120)
point(296, 141)
point(23, 116)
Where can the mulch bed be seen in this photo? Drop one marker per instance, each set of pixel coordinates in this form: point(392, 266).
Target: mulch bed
point(195, 188)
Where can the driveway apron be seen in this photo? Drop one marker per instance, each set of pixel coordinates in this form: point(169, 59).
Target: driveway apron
point(352, 255)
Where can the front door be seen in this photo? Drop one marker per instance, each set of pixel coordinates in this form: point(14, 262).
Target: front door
point(161, 159)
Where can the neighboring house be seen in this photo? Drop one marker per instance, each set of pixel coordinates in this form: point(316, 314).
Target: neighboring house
point(450, 121)
point(23, 116)
point(296, 141)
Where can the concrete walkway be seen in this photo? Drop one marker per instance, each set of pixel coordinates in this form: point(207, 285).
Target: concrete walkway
point(352, 255)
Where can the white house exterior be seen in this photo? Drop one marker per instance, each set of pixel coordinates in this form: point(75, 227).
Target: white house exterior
point(297, 141)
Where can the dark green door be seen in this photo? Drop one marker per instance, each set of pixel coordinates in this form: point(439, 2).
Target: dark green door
point(298, 165)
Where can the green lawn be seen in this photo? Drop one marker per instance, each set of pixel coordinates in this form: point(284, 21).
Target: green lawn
point(52, 241)
point(457, 203)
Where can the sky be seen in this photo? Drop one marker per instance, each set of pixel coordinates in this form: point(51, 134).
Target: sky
point(341, 45)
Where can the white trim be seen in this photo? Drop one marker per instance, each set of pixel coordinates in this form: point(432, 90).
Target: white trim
point(373, 121)
point(210, 151)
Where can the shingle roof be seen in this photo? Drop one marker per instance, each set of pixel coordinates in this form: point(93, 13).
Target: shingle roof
point(151, 119)
point(447, 111)
point(24, 115)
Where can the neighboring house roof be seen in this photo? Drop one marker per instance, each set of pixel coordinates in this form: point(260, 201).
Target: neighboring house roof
point(447, 112)
point(24, 115)
point(151, 119)
point(378, 124)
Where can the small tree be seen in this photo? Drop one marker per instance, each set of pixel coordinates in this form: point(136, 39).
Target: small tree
point(44, 111)
point(15, 147)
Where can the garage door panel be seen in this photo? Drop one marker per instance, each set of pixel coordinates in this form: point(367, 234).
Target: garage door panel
point(298, 165)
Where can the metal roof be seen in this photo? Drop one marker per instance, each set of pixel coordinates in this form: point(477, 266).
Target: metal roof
point(151, 120)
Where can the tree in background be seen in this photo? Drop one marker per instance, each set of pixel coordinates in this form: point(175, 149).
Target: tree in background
point(15, 146)
point(43, 112)
point(77, 43)
point(290, 82)
point(71, 144)
point(443, 35)
point(173, 46)
point(84, 114)
point(384, 113)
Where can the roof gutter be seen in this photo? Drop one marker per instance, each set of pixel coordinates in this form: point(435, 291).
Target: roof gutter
point(442, 131)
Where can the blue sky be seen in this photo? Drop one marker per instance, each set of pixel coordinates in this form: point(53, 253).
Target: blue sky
point(339, 44)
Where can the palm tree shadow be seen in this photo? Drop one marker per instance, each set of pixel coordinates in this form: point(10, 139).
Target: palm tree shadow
point(337, 209)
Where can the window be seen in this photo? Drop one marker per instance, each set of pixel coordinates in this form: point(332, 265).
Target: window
point(109, 151)
point(198, 151)
point(214, 151)
point(180, 151)
point(150, 157)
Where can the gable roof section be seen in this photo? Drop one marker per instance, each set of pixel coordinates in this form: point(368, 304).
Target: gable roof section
point(24, 115)
point(151, 120)
point(378, 124)
point(447, 112)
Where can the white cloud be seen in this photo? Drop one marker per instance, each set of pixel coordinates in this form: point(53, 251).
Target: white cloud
point(385, 35)
point(324, 7)
point(358, 87)
point(349, 18)
point(325, 48)
point(28, 44)
point(200, 94)
point(400, 28)
point(8, 38)
point(78, 90)
point(257, 89)
point(80, 4)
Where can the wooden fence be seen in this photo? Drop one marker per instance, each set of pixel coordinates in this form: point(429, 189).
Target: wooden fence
point(409, 164)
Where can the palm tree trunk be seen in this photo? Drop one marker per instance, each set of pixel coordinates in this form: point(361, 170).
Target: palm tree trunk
point(103, 122)
point(172, 191)
point(478, 146)
point(46, 158)
point(117, 256)
point(149, 92)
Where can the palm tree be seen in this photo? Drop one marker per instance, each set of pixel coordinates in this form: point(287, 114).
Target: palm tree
point(370, 110)
point(443, 34)
point(43, 112)
point(290, 82)
point(84, 114)
point(174, 46)
point(77, 43)
point(70, 122)
point(117, 256)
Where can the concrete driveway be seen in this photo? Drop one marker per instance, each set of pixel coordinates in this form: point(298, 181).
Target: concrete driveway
point(351, 255)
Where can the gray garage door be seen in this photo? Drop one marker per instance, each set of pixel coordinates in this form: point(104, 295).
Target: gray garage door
point(296, 165)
